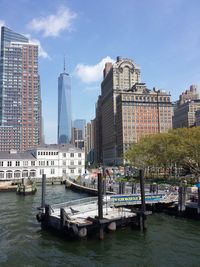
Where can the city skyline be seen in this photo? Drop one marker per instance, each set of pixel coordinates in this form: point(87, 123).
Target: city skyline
point(167, 51)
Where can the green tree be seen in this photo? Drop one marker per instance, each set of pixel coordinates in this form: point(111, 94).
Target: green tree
point(179, 148)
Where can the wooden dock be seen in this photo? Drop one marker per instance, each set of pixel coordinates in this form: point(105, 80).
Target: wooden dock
point(90, 216)
point(79, 218)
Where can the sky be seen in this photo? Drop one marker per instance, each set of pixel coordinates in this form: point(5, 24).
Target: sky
point(161, 36)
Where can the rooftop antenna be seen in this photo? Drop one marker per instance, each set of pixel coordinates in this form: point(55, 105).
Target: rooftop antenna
point(64, 63)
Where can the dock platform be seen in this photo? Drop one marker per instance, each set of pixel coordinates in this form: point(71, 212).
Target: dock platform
point(79, 218)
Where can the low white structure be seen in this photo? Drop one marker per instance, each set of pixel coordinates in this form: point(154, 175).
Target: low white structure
point(52, 160)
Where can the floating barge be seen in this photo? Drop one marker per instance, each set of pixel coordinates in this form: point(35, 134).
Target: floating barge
point(90, 216)
point(80, 218)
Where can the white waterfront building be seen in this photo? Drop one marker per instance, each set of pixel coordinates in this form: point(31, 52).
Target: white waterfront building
point(52, 160)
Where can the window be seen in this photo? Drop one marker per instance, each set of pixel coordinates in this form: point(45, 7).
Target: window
point(25, 174)
point(9, 164)
point(1, 174)
point(32, 173)
point(41, 171)
point(52, 171)
point(79, 155)
point(72, 171)
point(71, 155)
point(64, 155)
point(17, 174)
point(79, 171)
point(9, 174)
point(64, 162)
point(32, 163)
point(52, 162)
point(38, 153)
point(64, 171)
point(71, 162)
point(1, 163)
point(25, 163)
point(17, 163)
point(79, 162)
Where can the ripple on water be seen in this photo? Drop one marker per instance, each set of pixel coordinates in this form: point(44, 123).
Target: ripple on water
point(168, 241)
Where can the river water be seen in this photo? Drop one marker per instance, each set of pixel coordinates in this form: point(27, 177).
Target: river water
point(168, 241)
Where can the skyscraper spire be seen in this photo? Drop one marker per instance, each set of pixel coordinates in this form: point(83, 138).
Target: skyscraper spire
point(64, 63)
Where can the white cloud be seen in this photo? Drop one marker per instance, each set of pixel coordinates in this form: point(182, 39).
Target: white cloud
point(42, 52)
point(52, 25)
point(91, 73)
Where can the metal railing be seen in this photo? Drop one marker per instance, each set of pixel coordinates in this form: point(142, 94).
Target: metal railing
point(81, 201)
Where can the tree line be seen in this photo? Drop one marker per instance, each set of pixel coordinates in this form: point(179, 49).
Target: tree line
point(172, 153)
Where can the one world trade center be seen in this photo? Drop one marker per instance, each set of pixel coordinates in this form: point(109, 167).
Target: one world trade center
point(64, 108)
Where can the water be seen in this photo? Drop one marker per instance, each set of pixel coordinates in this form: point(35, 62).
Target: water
point(168, 241)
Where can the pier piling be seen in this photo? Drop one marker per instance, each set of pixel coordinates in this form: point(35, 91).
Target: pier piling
point(142, 222)
point(43, 190)
point(100, 206)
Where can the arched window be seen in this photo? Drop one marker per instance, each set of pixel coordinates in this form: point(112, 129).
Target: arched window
point(32, 173)
point(17, 174)
point(9, 174)
point(25, 174)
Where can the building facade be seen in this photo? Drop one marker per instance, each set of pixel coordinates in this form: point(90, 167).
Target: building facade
point(80, 124)
point(89, 141)
point(52, 160)
point(188, 104)
point(141, 112)
point(77, 138)
point(20, 100)
point(118, 77)
point(64, 108)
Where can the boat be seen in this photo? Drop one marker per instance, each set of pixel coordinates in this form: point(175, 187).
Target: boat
point(27, 187)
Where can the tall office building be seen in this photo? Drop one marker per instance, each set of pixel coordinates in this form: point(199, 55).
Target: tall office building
point(118, 77)
point(126, 111)
point(77, 138)
point(20, 100)
point(80, 124)
point(64, 108)
point(89, 142)
point(184, 111)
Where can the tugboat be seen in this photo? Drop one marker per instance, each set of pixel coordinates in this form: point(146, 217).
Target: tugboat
point(27, 187)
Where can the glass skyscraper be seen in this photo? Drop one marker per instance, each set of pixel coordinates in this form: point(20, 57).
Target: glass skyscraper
point(20, 101)
point(64, 108)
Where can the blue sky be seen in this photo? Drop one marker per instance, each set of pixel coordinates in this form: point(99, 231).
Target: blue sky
point(161, 36)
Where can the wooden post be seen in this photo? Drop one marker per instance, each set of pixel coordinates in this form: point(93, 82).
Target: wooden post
point(100, 206)
point(132, 188)
point(142, 190)
point(122, 188)
point(143, 225)
point(100, 198)
point(180, 198)
point(62, 217)
point(184, 192)
point(43, 190)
